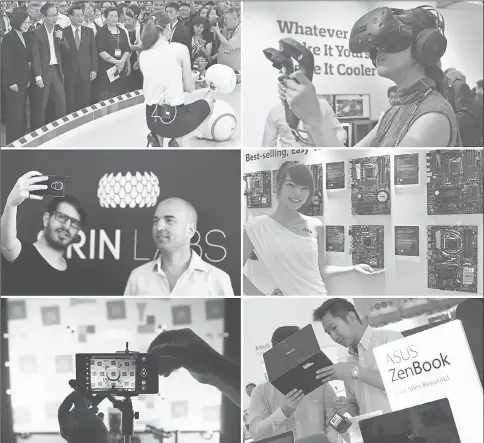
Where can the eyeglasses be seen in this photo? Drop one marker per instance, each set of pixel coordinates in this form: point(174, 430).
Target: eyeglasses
point(63, 218)
point(52, 15)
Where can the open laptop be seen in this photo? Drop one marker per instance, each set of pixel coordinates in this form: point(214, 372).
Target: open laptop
point(292, 364)
point(425, 423)
point(288, 437)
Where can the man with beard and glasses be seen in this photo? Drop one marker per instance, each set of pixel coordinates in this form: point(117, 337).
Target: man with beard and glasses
point(178, 271)
point(40, 268)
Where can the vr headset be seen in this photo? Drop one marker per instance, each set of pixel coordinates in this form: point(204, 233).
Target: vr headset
point(392, 30)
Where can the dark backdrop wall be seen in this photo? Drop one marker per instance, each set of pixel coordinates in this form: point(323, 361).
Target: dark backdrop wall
point(117, 240)
point(470, 313)
point(230, 430)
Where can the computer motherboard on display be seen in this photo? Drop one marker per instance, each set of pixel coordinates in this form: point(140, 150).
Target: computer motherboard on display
point(258, 190)
point(455, 180)
point(452, 258)
point(367, 245)
point(370, 185)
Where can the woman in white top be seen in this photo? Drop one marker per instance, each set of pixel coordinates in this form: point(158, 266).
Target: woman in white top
point(167, 75)
point(289, 245)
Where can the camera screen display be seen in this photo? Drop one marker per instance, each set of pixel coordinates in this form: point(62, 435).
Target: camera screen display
point(117, 374)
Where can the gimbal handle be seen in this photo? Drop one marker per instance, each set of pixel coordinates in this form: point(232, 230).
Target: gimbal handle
point(125, 406)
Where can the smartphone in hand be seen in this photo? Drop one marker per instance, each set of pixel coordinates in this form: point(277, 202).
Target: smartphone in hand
point(56, 186)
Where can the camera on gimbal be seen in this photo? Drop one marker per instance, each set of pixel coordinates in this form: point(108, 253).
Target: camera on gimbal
point(123, 373)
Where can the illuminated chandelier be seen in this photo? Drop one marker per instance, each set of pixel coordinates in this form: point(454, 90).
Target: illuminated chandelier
point(128, 191)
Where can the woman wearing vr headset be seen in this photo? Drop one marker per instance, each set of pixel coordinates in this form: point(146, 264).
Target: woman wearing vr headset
point(167, 75)
point(405, 46)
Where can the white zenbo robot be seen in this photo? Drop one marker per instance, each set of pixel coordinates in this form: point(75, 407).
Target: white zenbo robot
point(220, 125)
point(222, 122)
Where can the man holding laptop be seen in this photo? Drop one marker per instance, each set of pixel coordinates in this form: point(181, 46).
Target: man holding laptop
point(364, 386)
point(272, 412)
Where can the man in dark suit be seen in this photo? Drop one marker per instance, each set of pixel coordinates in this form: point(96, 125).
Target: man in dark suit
point(80, 61)
point(48, 43)
point(179, 32)
point(15, 76)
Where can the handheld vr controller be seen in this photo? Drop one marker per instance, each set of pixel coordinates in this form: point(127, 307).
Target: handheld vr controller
point(284, 60)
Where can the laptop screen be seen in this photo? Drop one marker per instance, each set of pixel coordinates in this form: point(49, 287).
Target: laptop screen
point(286, 437)
point(431, 422)
point(290, 352)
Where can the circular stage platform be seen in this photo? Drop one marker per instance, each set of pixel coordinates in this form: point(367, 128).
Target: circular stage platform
point(119, 123)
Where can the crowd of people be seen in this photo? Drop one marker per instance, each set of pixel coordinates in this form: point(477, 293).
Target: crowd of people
point(60, 57)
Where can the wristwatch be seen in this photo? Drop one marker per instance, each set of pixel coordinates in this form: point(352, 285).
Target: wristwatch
point(355, 372)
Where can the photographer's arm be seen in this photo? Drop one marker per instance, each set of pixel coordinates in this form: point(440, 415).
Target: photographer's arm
point(67, 404)
point(183, 348)
point(220, 36)
point(193, 8)
point(65, 425)
point(234, 42)
point(227, 380)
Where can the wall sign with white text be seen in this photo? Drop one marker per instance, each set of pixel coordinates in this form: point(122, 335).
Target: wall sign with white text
point(430, 365)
